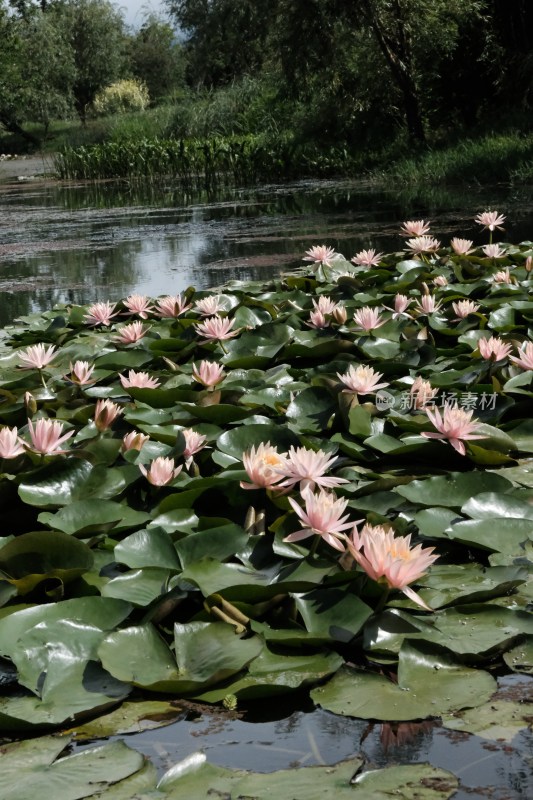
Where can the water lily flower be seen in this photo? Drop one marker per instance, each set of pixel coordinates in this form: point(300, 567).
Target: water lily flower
point(528, 264)
point(37, 356)
point(428, 304)
point(46, 437)
point(317, 319)
point(367, 258)
point(217, 328)
point(524, 359)
point(421, 393)
point(140, 380)
point(101, 313)
point(462, 247)
point(208, 373)
point(139, 304)
point(172, 306)
point(161, 471)
point(321, 255)
point(194, 442)
point(322, 517)
point(10, 444)
point(339, 314)
point(440, 280)
point(455, 424)
point(490, 220)
point(494, 251)
point(494, 348)
point(423, 244)
point(414, 227)
point(401, 304)
point(368, 318)
point(134, 441)
point(307, 467)
point(264, 466)
point(132, 333)
point(390, 559)
point(361, 380)
point(209, 306)
point(105, 414)
point(325, 304)
point(465, 307)
point(503, 276)
point(80, 373)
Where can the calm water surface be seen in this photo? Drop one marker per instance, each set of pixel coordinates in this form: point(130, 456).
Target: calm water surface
point(80, 243)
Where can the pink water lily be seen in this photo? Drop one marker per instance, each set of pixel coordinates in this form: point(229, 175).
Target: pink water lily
point(46, 436)
point(414, 227)
point(503, 276)
point(194, 442)
point(317, 319)
point(401, 304)
point(321, 255)
point(10, 444)
point(172, 306)
point(361, 380)
point(322, 517)
point(37, 356)
point(490, 220)
point(428, 304)
point(264, 466)
point(216, 329)
point(161, 471)
point(494, 349)
point(325, 304)
point(423, 244)
point(132, 333)
point(494, 251)
point(368, 318)
point(463, 308)
point(462, 247)
point(210, 306)
point(390, 559)
point(307, 467)
point(524, 359)
point(455, 424)
point(208, 373)
point(139, 304)
point(367, 258)
point(339, 314)
point(80, 373)
point(140, 380)
point(421, 393)
point(105, 413)
point(440, 281)
point(134, 441)
point(101, 313)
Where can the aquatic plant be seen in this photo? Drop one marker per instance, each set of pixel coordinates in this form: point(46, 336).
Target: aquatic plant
point(244, 575)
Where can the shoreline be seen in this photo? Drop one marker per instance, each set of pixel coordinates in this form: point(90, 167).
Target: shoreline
point(25, 168)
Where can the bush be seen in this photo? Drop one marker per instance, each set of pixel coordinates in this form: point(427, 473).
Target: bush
point(121, 97)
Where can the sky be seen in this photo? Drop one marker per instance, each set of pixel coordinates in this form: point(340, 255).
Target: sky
point(134, 11)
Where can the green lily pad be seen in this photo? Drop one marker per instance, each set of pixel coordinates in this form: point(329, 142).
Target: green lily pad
point(27, 767)
point(430, 683)
point(84, 517)
point(454, 489)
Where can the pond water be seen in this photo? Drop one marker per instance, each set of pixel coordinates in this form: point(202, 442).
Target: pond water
point(80, 243)
point(85, 243)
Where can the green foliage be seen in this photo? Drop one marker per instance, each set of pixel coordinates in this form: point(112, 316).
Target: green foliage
point(121, 97)
point(157, 59)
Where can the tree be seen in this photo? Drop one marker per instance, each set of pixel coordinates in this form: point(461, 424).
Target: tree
point(226, 39)
point(95, 31)
point(157, 58)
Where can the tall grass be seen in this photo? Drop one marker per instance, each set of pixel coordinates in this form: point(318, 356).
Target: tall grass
point(201, 163)
point(502, 158)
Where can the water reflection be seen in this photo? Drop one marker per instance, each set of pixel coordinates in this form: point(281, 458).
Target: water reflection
point(277, 736)
point(81, 243)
